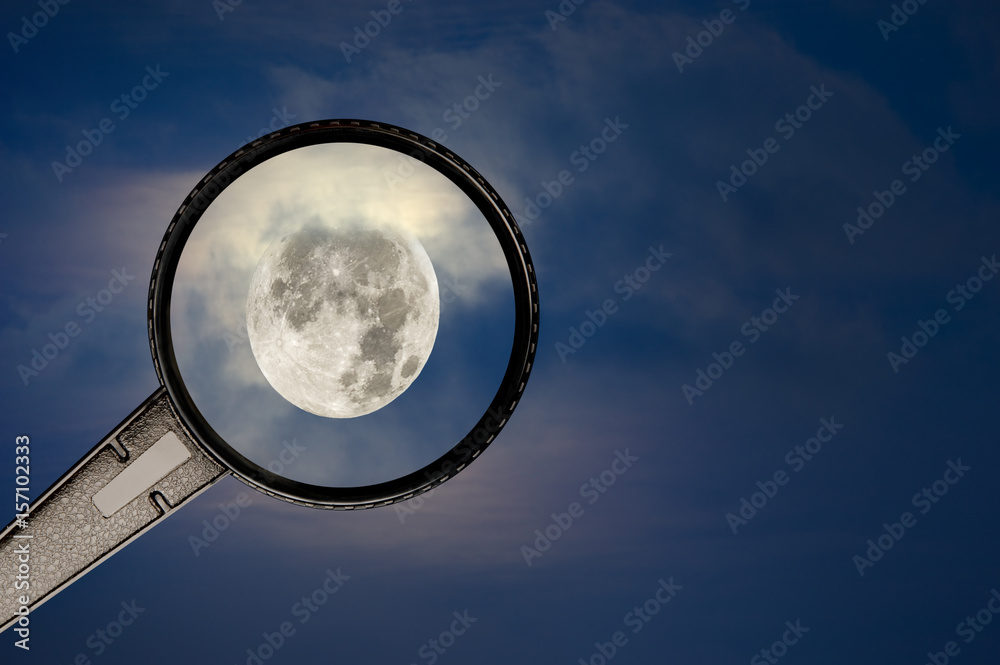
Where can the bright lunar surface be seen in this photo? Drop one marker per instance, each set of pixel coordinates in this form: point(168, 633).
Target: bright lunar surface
point(341, 321)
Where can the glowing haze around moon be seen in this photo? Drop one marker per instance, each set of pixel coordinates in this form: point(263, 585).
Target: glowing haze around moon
point(341, 321)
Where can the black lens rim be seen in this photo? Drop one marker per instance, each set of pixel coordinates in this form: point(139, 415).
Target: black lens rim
point(504, 226)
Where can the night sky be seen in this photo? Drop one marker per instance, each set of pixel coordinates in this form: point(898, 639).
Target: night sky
point(758, 427)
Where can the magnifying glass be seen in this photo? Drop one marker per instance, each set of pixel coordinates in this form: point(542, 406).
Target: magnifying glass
point(328, 314)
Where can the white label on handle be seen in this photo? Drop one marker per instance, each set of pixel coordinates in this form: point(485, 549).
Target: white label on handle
point(150, 468)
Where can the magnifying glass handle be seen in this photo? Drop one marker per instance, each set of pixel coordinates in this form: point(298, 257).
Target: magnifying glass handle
point(144, 469)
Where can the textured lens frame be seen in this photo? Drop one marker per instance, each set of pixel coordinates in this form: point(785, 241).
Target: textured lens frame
point(489, 204)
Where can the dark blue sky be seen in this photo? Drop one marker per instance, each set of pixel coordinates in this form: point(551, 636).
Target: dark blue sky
point(743, 164)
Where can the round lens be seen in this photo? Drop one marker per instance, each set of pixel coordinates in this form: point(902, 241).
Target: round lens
point(341, 315)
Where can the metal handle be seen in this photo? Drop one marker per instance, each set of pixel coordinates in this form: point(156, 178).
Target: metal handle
point(144, 469)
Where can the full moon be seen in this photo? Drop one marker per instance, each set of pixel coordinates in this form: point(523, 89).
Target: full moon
point(341, 321)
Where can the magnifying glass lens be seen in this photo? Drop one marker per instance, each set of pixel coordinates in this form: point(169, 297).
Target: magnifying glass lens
point(342, 315)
